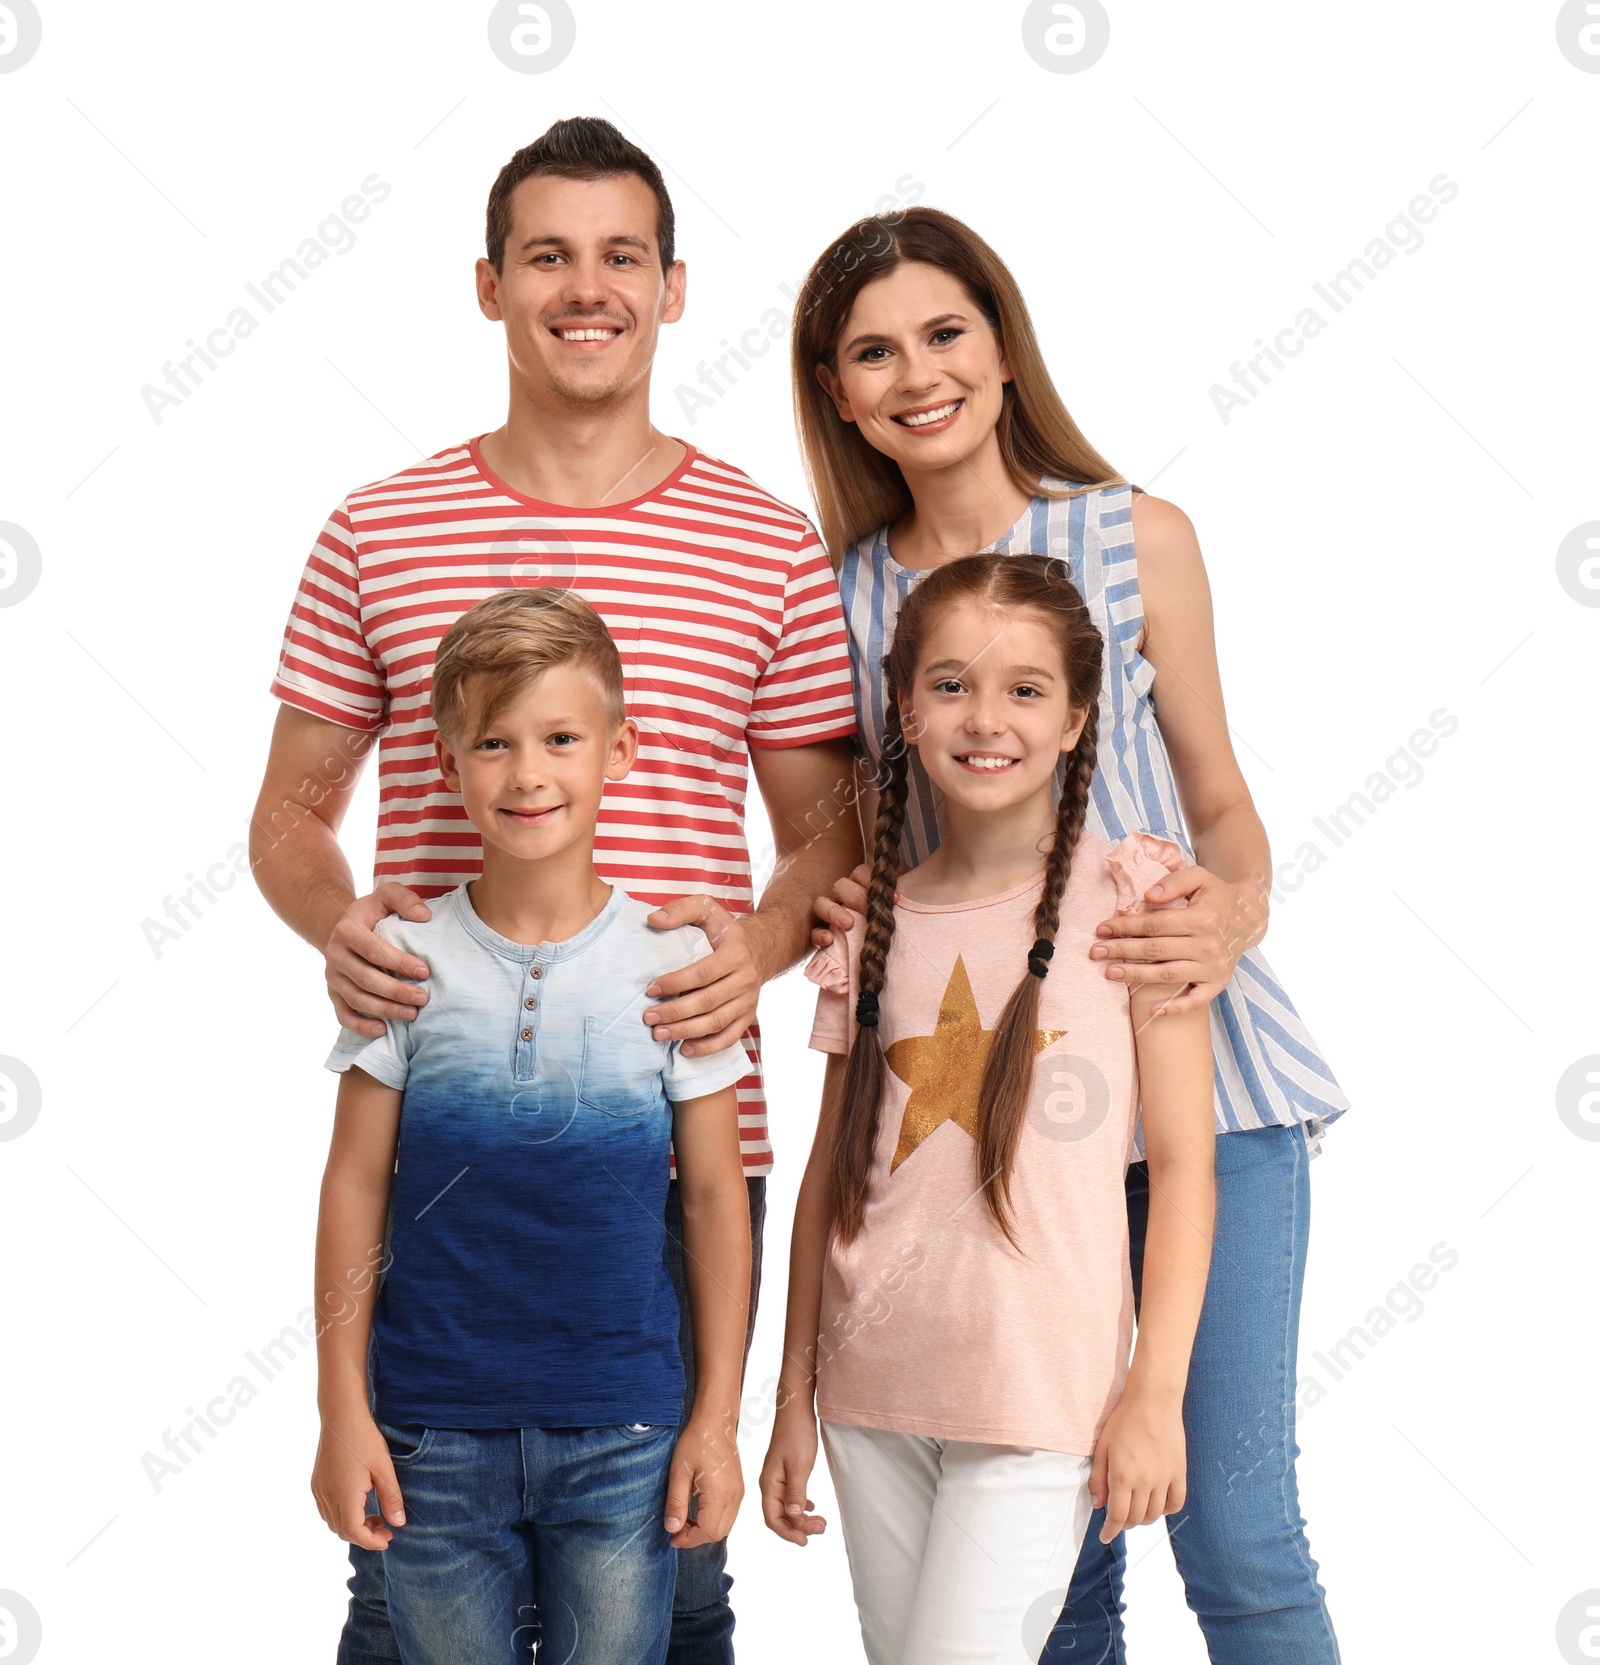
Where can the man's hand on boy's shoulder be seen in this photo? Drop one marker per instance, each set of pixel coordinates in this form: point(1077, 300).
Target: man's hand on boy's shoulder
point(713, 1001)
point(364, 972)
point(705, 1465)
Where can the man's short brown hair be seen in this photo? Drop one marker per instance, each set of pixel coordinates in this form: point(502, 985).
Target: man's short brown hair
point(510, 641)
point(577, 147)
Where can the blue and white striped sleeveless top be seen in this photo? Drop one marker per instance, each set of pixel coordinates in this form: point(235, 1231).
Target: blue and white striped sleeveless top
point(1268, 1069)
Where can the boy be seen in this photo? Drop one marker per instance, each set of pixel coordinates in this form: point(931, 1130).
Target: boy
point(526, 1385)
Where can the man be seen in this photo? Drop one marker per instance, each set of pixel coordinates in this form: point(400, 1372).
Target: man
point(724, 610)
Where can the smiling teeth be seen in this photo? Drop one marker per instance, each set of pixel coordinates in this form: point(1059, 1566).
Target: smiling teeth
point(927, 416)
point(989, 762)
point(587, 335)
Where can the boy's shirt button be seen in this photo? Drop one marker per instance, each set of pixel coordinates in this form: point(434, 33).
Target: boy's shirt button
point(530, 1003)
point(527, 1034)
point(536, 971)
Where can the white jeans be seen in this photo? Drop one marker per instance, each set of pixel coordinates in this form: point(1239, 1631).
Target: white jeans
point(960, 1554)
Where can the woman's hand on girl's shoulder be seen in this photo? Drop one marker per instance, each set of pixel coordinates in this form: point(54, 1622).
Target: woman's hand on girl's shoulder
point(791, 1456)
point(1140, 1468)
point(838, 910)
point(1199, 944)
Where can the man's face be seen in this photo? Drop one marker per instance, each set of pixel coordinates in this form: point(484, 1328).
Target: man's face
point(581, 292)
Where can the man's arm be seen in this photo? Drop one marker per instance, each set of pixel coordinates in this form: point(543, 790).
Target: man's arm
point(810, 802)
point(810, 795)
point(311, 774)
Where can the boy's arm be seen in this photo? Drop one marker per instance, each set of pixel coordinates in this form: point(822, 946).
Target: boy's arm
point(716, 1267)
point(792, 1453)
point(1139, 1463)
point(810, 801)
point(353, 1457)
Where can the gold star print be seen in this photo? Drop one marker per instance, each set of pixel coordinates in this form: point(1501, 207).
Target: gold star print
point(945, 1069)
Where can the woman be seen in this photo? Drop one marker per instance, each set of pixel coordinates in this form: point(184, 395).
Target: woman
point(931, 430)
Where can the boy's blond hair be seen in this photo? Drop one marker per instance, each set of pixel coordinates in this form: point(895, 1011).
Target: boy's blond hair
point(510, 640)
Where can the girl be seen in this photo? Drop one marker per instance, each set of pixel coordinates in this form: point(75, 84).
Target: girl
point(959, 1291)
point(931, 428)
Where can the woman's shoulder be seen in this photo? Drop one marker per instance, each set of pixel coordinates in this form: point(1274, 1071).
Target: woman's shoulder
point(870, 546)
point(1058, 489)
point(1163, 530)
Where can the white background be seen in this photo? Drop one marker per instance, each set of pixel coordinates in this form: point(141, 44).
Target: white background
point(1381, 527)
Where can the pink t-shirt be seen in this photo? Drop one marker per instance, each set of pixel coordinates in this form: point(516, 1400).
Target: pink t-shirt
point(931, 1322)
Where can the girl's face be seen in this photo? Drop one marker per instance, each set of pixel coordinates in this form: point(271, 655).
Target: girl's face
point(920, 370)
point(988, 709)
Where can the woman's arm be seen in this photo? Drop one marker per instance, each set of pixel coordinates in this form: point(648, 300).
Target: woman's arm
point(353, 1457)
point(1139, 1462)
point(716, 1270)
point(792, 1454)
point(1227, 911)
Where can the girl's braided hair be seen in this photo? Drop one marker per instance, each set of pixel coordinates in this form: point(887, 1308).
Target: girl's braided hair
point(1008, 584)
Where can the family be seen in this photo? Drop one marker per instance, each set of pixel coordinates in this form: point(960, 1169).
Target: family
point(1048, 1251)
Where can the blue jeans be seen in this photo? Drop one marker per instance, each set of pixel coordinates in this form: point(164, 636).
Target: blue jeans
point(517, 1535)
point(1239, 1540)
point(702, 1620)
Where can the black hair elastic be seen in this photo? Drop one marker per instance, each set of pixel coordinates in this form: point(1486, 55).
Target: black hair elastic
point(867, 1009)
point(1039, 956)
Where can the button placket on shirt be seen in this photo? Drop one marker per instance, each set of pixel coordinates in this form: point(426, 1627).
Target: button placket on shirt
point(528, 1014)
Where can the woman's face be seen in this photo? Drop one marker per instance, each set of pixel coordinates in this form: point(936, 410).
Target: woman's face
point(920, 370)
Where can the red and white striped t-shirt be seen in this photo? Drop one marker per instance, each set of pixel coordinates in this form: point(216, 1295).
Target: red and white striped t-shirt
point(725, 612)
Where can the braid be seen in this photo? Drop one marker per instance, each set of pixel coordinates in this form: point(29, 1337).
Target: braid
point(885, 853)
point(1071, 814)
point(864, 1078)
point(1008, 1073)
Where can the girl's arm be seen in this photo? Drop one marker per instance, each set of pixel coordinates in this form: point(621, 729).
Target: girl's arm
point(792, 1453)
point(716, 1271)
point(1227, 892)
point(1139, 1463)
point(353, 1456)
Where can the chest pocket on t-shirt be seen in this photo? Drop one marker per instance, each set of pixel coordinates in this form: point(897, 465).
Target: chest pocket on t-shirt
point(622, 1063)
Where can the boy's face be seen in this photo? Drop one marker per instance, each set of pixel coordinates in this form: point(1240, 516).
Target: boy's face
point(581, 291)
point(531, 780)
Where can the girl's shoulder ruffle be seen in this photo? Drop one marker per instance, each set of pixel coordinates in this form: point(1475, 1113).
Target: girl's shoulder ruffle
point(1139, 861)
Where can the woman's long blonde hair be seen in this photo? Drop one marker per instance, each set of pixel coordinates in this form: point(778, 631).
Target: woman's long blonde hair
point(856, 488)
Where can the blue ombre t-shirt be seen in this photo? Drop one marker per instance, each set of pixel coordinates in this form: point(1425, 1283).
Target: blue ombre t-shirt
point(527, 1284)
